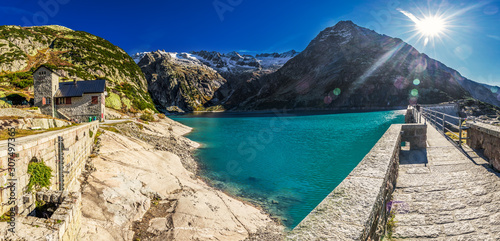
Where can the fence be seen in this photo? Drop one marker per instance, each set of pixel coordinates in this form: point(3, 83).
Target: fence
point(443, 122)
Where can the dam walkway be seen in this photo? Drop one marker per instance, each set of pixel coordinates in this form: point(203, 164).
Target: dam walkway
point(444, 194)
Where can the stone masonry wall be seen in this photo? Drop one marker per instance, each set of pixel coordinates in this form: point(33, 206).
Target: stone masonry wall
point(45, 84)
point(81, 107)
point(487, 137)
point(63, 225)
point(415, 134)
point(356, 208)
point(78, 142)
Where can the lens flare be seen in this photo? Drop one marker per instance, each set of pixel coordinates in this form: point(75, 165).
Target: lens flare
point(428, 27)
point(416, 81)
point(414, 92)
point(431, 26)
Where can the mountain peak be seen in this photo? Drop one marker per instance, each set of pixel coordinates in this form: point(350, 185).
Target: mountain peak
point(345, 23)
point(343, 30)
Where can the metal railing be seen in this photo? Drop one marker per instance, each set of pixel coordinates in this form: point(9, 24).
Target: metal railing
point(442, 122)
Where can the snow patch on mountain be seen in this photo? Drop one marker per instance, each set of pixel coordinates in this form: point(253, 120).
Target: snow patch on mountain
point(233, 62)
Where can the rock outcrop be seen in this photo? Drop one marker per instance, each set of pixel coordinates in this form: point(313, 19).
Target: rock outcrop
point(179, 81)
point(223, 73)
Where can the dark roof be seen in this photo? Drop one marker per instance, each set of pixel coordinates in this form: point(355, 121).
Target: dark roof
point(46, 68)
point(70, 89)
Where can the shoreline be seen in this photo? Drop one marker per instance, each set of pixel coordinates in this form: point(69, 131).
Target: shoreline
point(211, 184)
point(146, 174)
point(282, 112)
point(228, 189)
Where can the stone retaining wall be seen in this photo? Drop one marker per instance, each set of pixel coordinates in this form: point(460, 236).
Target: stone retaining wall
point(487, 137)
point(63, 225)
point(356, 208)
point(33, 123)
point(78, 142)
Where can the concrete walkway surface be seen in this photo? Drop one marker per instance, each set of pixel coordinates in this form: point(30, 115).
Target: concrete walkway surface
point(442, 194)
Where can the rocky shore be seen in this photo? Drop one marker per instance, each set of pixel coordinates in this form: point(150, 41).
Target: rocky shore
point(142, 185)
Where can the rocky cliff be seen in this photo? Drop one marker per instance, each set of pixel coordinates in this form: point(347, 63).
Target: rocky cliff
point(348, 66)
point(73, 55)
point(204, 80)
point(179, 82)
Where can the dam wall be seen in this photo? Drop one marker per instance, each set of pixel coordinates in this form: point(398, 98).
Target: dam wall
point(15, 155)
point(449, 109)
point(485, 137)
point(357, 209)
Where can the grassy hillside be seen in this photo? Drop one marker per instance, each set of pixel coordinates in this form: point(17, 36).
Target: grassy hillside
point(73, 55)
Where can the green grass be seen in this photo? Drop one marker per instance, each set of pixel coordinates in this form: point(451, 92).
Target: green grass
point(4, 134)
point(390, 226)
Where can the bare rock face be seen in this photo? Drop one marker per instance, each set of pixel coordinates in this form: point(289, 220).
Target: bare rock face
point(179, 82)
point(13, 59)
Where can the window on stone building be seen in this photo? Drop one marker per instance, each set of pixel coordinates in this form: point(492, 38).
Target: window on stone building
point(47, 100)
point(95, 100)
point(62, 101)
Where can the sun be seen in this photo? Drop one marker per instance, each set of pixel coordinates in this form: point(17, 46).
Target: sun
point(431, 26)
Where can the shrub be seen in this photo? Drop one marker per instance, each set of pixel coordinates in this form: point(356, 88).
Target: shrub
point(4, 104)
point(147, 117)
point(113, 101)
point(126, 102)
point(40, 175)
point(22, 83)
point(161, 116)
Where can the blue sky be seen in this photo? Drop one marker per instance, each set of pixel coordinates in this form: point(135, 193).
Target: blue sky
point(471, 43)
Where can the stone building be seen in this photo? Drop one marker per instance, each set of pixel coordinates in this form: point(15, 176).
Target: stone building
point(82, 101)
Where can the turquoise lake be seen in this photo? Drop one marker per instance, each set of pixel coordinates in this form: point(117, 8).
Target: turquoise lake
point(285, 163)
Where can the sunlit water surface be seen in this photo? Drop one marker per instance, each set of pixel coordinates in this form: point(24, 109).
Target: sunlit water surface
point(286, 164)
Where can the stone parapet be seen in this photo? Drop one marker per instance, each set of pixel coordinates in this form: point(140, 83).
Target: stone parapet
point(486, 137)
point(415, 134)
point(356, 208)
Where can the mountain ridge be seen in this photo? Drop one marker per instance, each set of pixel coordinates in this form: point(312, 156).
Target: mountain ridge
point(367, 70)
point(73, 55)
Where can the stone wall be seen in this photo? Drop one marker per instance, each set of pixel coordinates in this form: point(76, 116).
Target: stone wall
point(45, 84)
point(63, 225)
point(486, 137)
point(356, 208)
point(81, 108)
point(78, 141)
point(449, 109)
point(33, 123)
point(415, 135)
